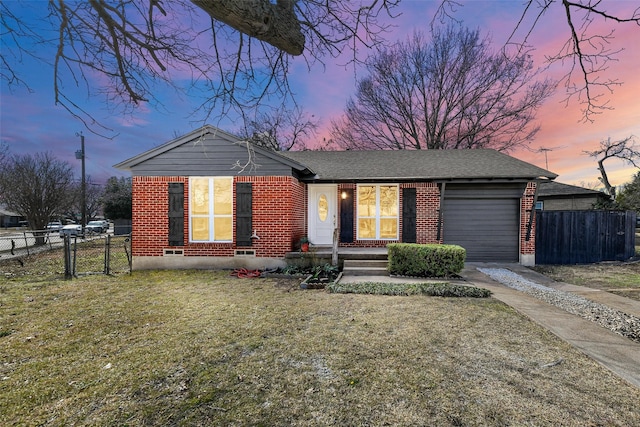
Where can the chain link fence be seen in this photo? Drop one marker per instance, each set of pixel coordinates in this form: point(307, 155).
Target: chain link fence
point(103, 254)
point(21, 242)
point(72, 255)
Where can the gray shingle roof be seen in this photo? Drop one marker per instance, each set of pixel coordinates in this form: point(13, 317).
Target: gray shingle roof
point(549, 189)
point(416, 164)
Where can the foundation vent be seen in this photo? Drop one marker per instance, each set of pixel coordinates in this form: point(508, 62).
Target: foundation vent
point(173, 252)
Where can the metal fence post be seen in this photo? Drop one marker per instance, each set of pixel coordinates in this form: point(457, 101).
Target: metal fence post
point(67, 257)
point(129, 255)
point(26, 242)
point(75, 252)
point(107, 254)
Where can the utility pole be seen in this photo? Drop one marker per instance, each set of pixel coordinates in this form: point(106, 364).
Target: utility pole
point(83, 184)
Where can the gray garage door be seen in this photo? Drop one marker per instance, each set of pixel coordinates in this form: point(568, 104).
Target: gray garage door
point(488, 228)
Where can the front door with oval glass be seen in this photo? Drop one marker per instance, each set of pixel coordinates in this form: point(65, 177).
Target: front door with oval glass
point(322, 213)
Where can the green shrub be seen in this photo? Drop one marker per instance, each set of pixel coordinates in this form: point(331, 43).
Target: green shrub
point(429, 289)
point(410, 259)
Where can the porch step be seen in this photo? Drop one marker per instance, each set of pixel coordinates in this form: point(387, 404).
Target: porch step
point(365, 267)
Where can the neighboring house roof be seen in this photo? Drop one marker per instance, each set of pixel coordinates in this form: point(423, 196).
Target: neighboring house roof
point(482, 164)
point(5, 212)
point(560, 190)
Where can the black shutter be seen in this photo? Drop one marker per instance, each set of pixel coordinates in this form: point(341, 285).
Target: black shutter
point(244, 222)
point(409, 215)
point(176, 214)
point(346, 216)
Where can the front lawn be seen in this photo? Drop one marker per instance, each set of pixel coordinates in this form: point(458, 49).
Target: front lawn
point(202, 348)
point(615, 277)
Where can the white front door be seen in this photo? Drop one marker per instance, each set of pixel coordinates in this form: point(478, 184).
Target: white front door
point(322, 213)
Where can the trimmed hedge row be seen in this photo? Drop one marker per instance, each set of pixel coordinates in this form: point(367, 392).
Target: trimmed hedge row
point(434, 260)
point(405, 289)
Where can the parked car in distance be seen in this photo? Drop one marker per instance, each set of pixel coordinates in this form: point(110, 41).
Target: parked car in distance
point(97, 226)
point(54, 226)
point(71, 230)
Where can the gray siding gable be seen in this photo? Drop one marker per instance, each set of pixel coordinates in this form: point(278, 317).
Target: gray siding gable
point(209, 151)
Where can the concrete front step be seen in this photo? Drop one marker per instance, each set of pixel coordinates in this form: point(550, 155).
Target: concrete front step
point(372, 263)
point(362, 271)
point(363, 267)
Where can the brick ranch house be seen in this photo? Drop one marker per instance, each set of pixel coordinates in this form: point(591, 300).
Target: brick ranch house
point(196, 206)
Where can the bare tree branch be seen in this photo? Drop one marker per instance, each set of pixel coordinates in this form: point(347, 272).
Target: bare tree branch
point(624, 149)
point(123, 49)
point(250, 165)
point(280, 130)
point(587, 52)
point(13, 29)
point(275, 24)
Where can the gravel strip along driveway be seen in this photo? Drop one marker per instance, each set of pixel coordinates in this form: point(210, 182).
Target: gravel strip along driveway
point(621, 323)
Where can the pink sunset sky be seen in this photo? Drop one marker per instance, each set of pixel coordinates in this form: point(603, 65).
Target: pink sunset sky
point(30, 122)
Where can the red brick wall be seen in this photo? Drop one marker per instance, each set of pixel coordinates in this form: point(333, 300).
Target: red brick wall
point(527, 247)
point(278, 217)
point(278, 213)
point(428, 208)
point(150, 221)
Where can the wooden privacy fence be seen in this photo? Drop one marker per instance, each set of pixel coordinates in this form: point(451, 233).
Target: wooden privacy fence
point(582, 237)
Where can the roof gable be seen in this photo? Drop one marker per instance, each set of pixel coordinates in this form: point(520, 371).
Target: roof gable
point(190, 137)
point(209, 151)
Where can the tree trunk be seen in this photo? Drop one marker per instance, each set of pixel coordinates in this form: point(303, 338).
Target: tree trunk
point(275, 24)
point(611, 191)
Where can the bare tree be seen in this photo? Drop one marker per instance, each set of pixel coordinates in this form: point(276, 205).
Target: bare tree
point(4, 152)
point(93, 198)
point(586, 53)
point(453, 92)
point(240, 57)
point(624, 149)
point(37, 187)
point(280, 130)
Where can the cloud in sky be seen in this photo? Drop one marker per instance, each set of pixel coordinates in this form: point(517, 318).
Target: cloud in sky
point(30, 122)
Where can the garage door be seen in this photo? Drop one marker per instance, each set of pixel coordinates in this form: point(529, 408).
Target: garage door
point(488, 228)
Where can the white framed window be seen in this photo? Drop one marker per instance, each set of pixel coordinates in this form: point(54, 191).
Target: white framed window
point(377, 212)
point(211, 209)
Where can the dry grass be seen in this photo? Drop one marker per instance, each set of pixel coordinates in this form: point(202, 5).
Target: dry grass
point(201, 348)
point(619, 278)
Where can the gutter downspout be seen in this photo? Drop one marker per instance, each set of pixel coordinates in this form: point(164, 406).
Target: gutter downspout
point(440, 213)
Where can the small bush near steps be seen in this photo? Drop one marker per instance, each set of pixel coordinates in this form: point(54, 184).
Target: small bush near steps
point(428, 289)
point(432, 260)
